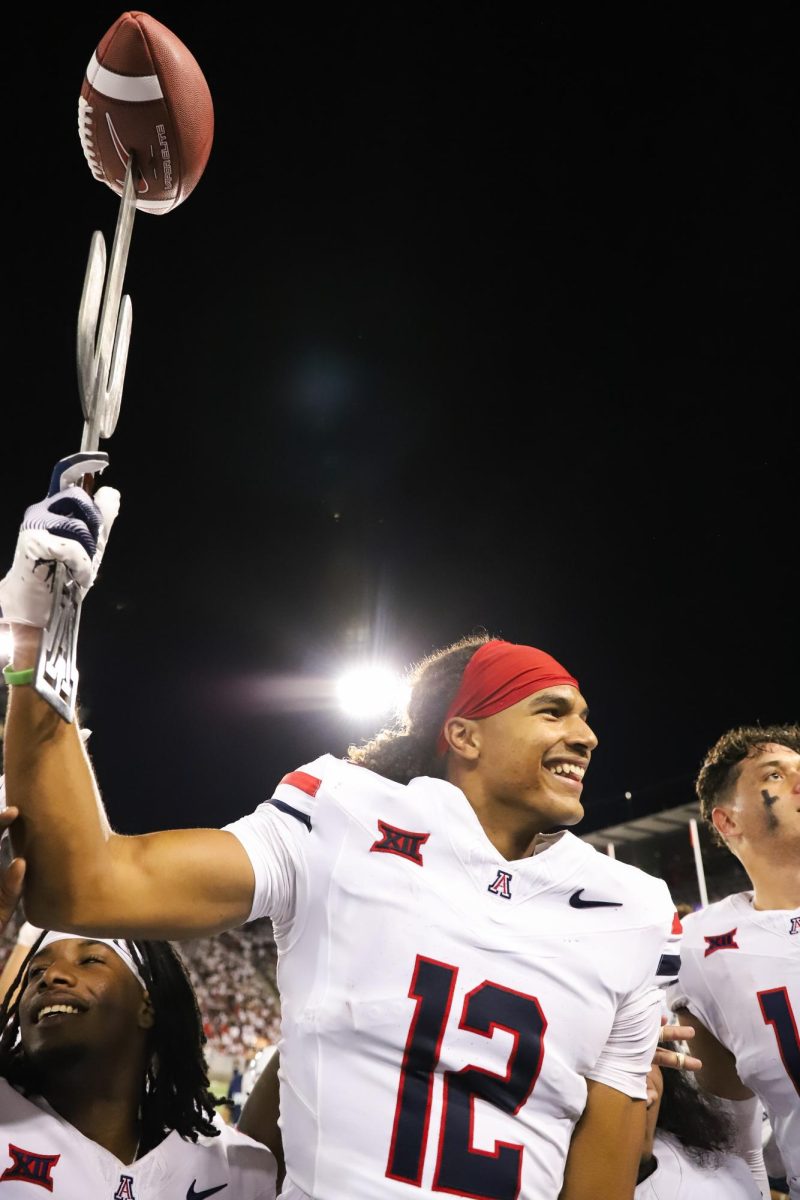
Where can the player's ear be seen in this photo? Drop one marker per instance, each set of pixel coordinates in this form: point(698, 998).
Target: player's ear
point(463, 737)
point(724, 823)
point(147, 1016)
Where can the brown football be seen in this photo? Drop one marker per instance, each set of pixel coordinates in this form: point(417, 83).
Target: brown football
point(144, 95)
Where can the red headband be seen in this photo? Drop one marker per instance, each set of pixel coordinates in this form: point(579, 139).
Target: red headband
point(498, 675)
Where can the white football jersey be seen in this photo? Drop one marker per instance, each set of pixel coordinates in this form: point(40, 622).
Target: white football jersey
point(40, 1148)
point(740, 975)
point(443, 1007)
point(678, 1176)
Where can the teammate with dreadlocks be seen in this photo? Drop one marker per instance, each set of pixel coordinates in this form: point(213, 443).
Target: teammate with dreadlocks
point(103, 1081)
point(688, 1146)
point(470, 1000)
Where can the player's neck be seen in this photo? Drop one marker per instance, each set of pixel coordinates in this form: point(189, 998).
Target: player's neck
point(776, 885)
point(512, 833)
point(103, 1110)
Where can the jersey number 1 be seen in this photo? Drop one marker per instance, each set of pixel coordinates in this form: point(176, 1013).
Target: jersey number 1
point(776, 1008)
point(460, 1168)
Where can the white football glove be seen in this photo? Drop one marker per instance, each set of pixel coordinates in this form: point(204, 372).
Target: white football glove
point(69, 526)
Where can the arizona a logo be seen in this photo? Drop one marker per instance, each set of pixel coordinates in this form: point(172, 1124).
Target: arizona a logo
point(125, 1189)
point(501, 885)
point(795, 925)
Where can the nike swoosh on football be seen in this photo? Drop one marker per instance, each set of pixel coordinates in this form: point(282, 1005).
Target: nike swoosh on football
point(576, 902)
point(193, 1195)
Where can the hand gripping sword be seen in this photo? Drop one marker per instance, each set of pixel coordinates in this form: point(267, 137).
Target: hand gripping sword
point(104, 331)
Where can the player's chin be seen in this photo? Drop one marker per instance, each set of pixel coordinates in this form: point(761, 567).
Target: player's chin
point(48, 1055)
point(571, 814)
point(564, 810)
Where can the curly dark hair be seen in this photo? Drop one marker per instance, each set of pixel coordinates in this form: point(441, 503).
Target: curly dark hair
point(408, 749)
point(695, 1118)
point(720, 768)
point(175, 1091)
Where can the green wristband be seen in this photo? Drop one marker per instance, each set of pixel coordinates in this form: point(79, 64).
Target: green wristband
point(18, 678)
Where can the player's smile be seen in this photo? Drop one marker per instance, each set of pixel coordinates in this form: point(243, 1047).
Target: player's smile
point(569, 771)
point(54, 1006)
point(51, 1005)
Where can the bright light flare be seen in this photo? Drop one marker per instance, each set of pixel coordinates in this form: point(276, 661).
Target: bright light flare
point(372, 691)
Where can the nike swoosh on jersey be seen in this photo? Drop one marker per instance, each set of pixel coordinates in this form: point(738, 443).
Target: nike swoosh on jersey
point(576, 902)
point(193, 1195)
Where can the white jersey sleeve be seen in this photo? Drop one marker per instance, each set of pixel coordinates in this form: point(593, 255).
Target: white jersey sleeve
point(274, 837)
point(628, 1052)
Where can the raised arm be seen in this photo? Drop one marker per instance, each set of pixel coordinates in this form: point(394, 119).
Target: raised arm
point(82, 877)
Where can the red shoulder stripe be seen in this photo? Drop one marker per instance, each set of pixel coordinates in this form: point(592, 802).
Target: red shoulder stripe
point(306, 783)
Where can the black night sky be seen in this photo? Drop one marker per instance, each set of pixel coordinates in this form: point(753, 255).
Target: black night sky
point(481, 316)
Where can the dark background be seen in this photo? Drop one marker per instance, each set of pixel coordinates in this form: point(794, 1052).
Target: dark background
point(478, 318)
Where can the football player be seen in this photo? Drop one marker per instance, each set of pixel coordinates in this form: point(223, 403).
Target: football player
point(103, 1083)
point(739, 982)
point(470, 1000)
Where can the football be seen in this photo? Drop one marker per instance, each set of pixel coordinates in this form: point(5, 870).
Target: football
point(144, 95)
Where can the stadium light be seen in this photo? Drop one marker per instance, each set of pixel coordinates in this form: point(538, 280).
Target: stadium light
point(370, 691)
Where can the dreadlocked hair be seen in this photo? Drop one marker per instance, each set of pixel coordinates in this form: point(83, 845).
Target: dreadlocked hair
point(408, 748)
point(695, 1118)
point(721, 766)
point(175, 1089)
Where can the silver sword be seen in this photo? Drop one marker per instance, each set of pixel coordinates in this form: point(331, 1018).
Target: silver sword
point(104, 331)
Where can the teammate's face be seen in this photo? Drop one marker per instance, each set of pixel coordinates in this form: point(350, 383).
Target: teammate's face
point(534, 755)
point(81, 1000)
point(765, 800)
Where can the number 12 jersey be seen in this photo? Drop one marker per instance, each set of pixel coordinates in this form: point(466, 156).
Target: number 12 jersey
point(442, 1007)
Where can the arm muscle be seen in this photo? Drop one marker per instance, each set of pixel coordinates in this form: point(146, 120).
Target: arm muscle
point(83, 878)
point(606, 1147)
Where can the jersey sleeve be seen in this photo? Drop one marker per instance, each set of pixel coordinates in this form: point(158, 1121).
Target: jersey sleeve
point(628, 1053)
point(275, 840)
